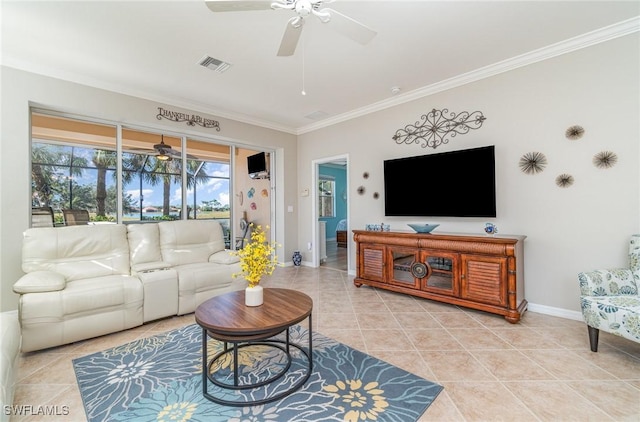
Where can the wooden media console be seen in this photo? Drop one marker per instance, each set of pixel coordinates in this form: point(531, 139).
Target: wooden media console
point(479, 272)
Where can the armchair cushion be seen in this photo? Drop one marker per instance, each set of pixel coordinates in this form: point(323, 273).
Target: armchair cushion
point(607, 282)
point(39, 282)
point(619, 315)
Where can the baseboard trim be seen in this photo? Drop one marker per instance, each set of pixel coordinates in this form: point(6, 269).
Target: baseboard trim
point(558, 312)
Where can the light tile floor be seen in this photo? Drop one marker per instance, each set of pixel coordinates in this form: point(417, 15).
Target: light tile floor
point(538, 370)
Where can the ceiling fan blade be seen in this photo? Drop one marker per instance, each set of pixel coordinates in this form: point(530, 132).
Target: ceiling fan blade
point(238, 5)
point(350, 27)
point(291, 36)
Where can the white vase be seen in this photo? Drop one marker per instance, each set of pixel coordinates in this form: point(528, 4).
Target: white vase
point(253, 296)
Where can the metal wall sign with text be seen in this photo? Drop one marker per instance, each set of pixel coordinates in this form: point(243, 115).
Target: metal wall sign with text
point(435, 128)
point(190, 119)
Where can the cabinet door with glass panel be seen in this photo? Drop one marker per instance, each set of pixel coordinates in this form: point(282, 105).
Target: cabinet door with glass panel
point(423, 269)
point(402, 261)
point(441, 272)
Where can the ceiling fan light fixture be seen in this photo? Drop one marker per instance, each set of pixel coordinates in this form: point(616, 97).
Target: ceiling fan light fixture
point(163, 157)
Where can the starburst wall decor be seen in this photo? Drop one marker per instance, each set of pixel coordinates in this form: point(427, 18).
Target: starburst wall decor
point(564, 180)
point(605, 159)
point(574, 133)
point(533, 162)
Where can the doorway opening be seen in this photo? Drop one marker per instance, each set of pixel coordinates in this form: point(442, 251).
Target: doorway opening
point(331, 211)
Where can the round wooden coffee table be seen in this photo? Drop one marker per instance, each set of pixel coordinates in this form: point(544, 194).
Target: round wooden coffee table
point(226, 318)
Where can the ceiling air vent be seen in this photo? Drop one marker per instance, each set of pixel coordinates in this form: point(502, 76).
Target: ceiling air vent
point(317, 115)
point(214, 64)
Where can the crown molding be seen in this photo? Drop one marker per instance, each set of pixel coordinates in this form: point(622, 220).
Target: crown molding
point(598, 36)
point(145, 95)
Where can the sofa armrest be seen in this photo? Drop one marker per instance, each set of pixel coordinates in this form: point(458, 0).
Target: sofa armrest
point(40, 281)
point(607, 282)
point(223, 257)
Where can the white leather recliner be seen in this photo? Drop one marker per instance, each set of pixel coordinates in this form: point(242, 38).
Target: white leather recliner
point(78, 285)
point(191, 249)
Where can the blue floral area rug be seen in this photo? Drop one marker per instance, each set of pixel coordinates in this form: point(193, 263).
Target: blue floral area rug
point(160, 379)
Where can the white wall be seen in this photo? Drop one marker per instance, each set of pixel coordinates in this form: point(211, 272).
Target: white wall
point(568, 230)
point(20, 90)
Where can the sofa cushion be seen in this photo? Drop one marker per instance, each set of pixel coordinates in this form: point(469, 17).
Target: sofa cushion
point(144, 243)
point(224, 257)
point(77, 252)
point(190, 241)
point(90, 296)
point(39, 281)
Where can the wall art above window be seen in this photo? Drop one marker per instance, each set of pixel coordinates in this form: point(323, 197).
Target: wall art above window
point(190, 119)
point(436, 127)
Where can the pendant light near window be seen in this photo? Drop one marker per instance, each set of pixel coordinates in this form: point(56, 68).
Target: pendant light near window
point(163, 157)
point(162, 149)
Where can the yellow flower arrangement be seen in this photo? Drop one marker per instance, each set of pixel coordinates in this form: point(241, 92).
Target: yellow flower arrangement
point(257, 258)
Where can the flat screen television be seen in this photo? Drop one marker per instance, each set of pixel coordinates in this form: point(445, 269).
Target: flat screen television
point(258, 165)
point(450, 184)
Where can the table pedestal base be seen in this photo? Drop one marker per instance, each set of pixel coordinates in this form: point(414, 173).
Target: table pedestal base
point(236, 345)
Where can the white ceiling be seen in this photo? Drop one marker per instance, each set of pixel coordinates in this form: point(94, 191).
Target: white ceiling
point(151, 49)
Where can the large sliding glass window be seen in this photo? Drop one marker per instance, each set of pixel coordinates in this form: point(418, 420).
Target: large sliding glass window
point(74, 165)
point(208, 170)
point(151, 176)
point(72, 172)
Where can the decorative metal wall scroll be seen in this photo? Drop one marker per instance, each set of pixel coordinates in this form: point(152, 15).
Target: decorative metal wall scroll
point(190, 119)
point(435, 127)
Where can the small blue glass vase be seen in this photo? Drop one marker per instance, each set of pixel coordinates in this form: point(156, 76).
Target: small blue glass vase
point(297, 258)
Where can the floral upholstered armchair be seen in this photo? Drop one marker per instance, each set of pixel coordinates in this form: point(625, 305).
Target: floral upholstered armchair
point(610, 301)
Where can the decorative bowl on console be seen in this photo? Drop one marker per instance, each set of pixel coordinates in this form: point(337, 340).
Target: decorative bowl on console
point(423, 228)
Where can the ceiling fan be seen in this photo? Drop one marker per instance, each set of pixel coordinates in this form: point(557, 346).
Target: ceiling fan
point(164, 152)
point(303, 8)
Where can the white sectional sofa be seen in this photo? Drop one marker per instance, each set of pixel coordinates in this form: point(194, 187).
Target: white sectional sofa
point(87, 281)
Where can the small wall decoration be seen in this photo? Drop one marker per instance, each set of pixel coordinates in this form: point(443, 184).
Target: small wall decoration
point(361, 190)
point(264, 193)
point(376, 195)
point(365, 175)
point(190, 119)
point(435, 127)
point(605, 159)
point(254, 206)
point(564, 180)
point(532, 162)
point(490, 229)
point(251, 192)
point(574, 133)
